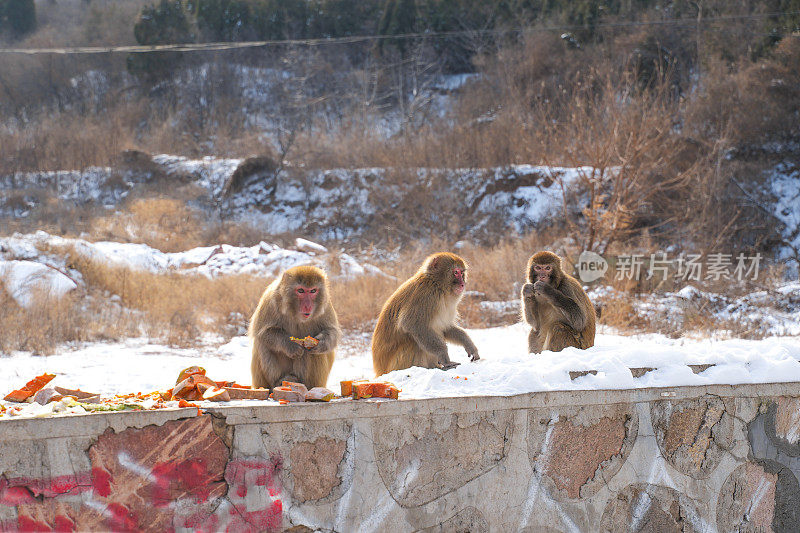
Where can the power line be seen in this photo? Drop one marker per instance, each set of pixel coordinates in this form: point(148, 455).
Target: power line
point(323, 41)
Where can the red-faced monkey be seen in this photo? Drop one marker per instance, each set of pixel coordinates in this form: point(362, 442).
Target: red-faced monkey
point(418, 320)
point(556, 307)
point(297, 304)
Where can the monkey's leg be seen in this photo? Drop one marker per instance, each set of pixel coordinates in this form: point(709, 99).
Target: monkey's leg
point(534, 342)
point(267, 365)
point(286, 377)
point(314, 369)
point(562, 336)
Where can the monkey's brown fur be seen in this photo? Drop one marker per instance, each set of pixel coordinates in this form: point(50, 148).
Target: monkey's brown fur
point(420, 317)
point(559, 311)
point(277, 317)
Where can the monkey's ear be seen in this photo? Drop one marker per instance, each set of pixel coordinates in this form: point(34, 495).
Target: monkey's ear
point(434, 262)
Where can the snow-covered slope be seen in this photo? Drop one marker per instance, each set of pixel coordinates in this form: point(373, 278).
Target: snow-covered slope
point(323, 204)
point(263, 259)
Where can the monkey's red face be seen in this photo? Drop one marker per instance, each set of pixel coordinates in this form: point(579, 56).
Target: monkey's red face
point(543, 272)
point(459, 279)
point(306, 297)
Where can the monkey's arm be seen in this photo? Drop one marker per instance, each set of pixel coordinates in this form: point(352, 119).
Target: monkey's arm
point(277, 339)
point(459, 336)
point(528, 297)
point(328, 339)
point(428, 340)
point(566, 305)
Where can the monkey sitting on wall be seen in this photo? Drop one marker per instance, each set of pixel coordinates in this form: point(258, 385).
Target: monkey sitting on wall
point(418, 320)
point(556, 307)
point(297, 304)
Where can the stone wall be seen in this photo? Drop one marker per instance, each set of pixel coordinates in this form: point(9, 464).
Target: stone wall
point(716, 458)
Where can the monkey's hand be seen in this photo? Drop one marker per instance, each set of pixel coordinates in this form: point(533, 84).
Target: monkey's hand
point(528, 290)
point(293, 350)
point(472, 351)
point(320, 346)
point(542, 288)
point(447, 366)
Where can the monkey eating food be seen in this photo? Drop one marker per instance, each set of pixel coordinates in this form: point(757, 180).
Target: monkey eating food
point(556, 307)
point(296, 306)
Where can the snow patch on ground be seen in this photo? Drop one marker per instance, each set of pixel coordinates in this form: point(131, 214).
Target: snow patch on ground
point(23, 279)
point(761, 313)
point(504, 368)
point(325, 204)
point(263, 259)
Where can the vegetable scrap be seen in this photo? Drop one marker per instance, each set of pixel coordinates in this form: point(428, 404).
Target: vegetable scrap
point(289, 392)
point(30, 388)
point(37, 399)
point(307, 342)
point(363, 388)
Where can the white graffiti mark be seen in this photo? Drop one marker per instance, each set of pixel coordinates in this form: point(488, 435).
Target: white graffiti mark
point(126, 462)
point(538, 493)
point(536, 479)
point(761, 490)
point(386, 503)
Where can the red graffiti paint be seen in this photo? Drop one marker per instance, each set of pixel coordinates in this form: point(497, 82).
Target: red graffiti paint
point(50, 487)
point(13, 496)
point(101, 482)
point(64, 524)
point(190, 476)
point(270, 519)
point(170, 482)
point(27, 524)
point(121, 518)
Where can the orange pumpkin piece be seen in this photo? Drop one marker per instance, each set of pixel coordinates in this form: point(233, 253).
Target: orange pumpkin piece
point(347, 385)
point(286, 393)
point(297, 387)
point(75, 393)
point(30, 388)
point(237, 393)
point(214, 394)
point(380, 389)
point(192, 370)
point(19, 395)
point(306, 342)
point(320, 394)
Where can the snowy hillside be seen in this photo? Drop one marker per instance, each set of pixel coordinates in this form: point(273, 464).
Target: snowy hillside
point(34, 259)
point(323, 204)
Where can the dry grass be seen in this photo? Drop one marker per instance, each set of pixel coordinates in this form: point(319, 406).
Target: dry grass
point(174, 307)
point(178, 309)
point(166, 224)
point(48, 322)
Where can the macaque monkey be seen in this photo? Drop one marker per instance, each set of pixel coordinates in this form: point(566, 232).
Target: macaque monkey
point(297, 304)
point(556, 307)
point(418, 320)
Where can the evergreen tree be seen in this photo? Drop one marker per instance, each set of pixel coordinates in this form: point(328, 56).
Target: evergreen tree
point(399, 17)
point(17, 17)
point(165, 23)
